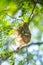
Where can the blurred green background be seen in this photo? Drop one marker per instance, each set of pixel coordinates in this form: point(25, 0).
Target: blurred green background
point(13, 13)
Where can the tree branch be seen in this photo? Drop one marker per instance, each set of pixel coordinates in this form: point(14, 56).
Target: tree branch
point(38, 43)
point(28, 45)
point(16, 51)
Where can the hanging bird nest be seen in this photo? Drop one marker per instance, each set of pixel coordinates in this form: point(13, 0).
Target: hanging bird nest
point(22, 35)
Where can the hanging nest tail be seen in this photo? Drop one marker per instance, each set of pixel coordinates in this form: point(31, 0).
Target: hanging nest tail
point(22, 35)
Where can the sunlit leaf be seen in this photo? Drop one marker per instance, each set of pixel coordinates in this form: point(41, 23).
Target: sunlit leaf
point(12, 8)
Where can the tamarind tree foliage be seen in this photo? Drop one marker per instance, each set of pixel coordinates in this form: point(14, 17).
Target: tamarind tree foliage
point(13, 13)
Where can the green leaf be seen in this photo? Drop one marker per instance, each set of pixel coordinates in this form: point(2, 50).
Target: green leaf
point(20, 62)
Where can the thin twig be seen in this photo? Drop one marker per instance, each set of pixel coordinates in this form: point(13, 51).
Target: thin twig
point(4, 11)
point(31, 14)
